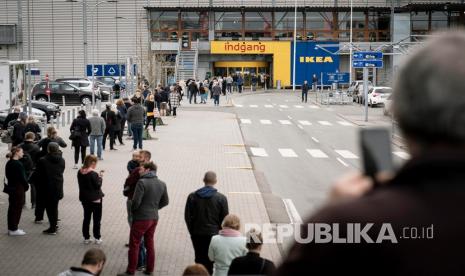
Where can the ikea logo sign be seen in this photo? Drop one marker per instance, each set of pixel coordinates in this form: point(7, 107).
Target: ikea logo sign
point(313, 59)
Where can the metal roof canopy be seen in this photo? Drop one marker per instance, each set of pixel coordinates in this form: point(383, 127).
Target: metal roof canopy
point(18, 62)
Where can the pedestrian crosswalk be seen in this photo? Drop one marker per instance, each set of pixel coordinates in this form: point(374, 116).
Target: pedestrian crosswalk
point(281, 106)
point(287, 153)
point(265, 122)
point(290, 121)
point(325, 123)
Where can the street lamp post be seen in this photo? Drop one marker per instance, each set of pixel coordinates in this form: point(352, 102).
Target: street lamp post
point(350, 43)
point(295, 44)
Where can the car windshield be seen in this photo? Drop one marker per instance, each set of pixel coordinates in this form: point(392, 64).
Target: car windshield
point(72, 85)
point(384, 91)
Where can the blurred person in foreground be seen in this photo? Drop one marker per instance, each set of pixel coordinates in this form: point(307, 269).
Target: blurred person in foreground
point(427, 193)
point(92, 264)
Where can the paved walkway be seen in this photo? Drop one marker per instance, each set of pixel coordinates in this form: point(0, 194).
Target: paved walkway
point(187, 146)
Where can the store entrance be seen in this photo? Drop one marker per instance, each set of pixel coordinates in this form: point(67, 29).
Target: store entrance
point(250, 70)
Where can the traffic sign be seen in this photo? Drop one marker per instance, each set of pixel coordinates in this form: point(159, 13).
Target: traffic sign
point(111, 70)
point(47, 92)
point(98, 70)
point(123, 69)
point(338, 77)
point(368, 56)
point(34, 72)
point(367, 64)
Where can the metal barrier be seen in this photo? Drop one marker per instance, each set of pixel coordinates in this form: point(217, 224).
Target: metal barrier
point(328, 97)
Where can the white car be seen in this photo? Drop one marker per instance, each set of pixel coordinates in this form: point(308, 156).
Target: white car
point(378, 95)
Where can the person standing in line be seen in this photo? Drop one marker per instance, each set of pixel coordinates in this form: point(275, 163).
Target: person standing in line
point(19, 129)
point(204, 212)
point(240, 82)
point(110, 120)
point(116, 89)
point(254, 82)
point(223, 86)
point(136, 119)
point(92, 264)
point(195, 270)
point(97, 129)
point(234, 82)
point(15, 186)
point(216, 91)
point(193, 90)
point(48, 179)
point(52, 136)
point(202, 93)
point(80, 129)
point(127, 105)
point(305, 89)
point(227, 245)
point(118, 131)
point(165, 98)
point(314, 82)
point(91, 195)
point(150, 196)
point(32, 126)
point(229, 82)
point(157, 97)
point(123, 111)
point(32, 150)
point(11, 117)
point(252, 263)
point(150, 107)
point(174, 102)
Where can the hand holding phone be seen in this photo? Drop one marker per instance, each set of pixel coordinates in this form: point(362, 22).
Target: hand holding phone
point(376, 153)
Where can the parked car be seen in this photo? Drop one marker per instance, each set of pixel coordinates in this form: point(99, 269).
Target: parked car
point(106, 80)
point(378, 95)
point(351, 89)
point(82, 83)
point(104, 87)
point(52, 110)
point(39, 115)
point(72, 93)
point(387, 106)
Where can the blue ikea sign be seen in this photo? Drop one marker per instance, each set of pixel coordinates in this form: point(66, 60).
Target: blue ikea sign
point(314, 58)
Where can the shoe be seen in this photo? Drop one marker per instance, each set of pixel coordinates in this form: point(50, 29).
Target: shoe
point(18, 232)
point(121, 144)
point(50, 231)
point(126, 245)
point(38, 221)
point(100, 159)
point(87, 241)
point(98, 241)
point(141, 268)
point(124, 274)
point(113, 149)
point(148, 273)
point(75, 166)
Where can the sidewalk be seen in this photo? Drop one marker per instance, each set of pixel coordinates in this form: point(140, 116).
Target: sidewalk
point(188, 146)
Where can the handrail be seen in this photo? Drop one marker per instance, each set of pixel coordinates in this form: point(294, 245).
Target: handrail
point(176, 66)
point(196, 59)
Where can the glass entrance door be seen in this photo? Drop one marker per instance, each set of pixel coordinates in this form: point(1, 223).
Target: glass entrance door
point(249, 72)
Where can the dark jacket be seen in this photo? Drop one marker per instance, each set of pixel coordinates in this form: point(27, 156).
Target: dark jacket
point(205, 211)
point(117, 126)
point(43, 144)
point(132, 165)
point(90, 185)
point(130, 183)
point(305, 88)
point(150, 106)
point(33, 127)
point(10, 117)
point(81, 126)
point(123, 110)
point(110, 118)
point(136, 114)
point(251, 264)
point(19, 130)
point(48, 176)
point(32, 149)
point(150, 196)
point(193, 87)
point(15, 176)
point(165, 96)
point(427, 193)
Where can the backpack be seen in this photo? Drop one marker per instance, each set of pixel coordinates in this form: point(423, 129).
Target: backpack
point(7, 135)
point(146, 135)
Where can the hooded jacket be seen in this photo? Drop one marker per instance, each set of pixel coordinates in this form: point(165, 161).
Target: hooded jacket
point(48, 176)
point(205, 211)
point(150, 196)
point(90, 184)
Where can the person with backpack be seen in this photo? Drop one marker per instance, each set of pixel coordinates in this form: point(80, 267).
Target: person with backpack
point(110, 120)
point(32, 126)
point(11, 117)
point(80, 130)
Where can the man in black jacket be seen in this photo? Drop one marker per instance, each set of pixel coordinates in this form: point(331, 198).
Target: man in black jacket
point(31, 151)
point(305, 89)
point(19, 129)
point(48, 178)
point(204, 213)
point(110, 122)
point(193, 90)
point(11, 117)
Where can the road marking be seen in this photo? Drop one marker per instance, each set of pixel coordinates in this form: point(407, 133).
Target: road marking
point(268, 106)
point(246, 121)
point(325, 123)
point(402, 154)
point(305, 123)
point(294, 216)
point(316, 153)
point(235, 145)
point(346, 154)
point(238, 105)
point(314, 139)
point(314, 106)
point(241, 168)
point(287, 153)
point(299, 126)
point(265, 122)
point(344, 123)
point(283, 106)
point(235, 152)
point(298, 106)
point(342, 162)
point(244, 193)
point(259, 152)
point(253, 105)
point(285, 122)
point(288, 116)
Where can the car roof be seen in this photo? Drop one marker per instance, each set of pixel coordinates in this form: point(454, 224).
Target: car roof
point(381, 87)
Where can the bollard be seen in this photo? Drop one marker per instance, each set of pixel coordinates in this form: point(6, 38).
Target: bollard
point(73, 114)
point(34, 98)
point(99, 105)
point(64, 102)
point(57, 122)
point(62, 116)
point(68, 117)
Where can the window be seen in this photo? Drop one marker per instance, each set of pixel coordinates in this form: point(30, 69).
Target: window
point(319, 21)
point(439, 20)
point(166, 20)
point(285, 21)
point(358, 20)
point(420, 22)
point(228, 21)
point(194, 20)
point(258, 21)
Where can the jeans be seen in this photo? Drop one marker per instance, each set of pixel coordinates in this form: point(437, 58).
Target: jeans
point(216, 99)
point(201, 244)
point(92, 140)
point(137, 134)
point(139, 229)
point(239, 86)
point(123, 123)
point(228, 87)
point(78, 149)
point(91, 209)
point(52, 213)
point(16, 200)
point(304, 96)
point(129, 130)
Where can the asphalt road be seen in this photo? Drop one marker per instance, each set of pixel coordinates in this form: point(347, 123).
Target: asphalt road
point(300, 148)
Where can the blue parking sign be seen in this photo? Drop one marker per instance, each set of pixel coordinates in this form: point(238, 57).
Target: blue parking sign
point(98, 70)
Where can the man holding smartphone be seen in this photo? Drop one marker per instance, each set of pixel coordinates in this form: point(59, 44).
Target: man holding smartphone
point(426, 195)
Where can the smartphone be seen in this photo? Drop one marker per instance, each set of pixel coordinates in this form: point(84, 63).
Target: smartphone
point(376, 151)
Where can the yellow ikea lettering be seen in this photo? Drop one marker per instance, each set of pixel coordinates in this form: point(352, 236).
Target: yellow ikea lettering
point(326, 59)
point(319, 59)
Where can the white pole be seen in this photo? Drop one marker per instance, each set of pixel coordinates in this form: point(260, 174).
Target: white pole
point(350, 43)
point(295, 44)
point(93, 57)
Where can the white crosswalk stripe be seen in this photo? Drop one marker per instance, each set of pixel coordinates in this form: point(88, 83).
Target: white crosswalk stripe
point(344, 123)
point(265, 122)
point(325, 123)
point(305, 123)
point(268, 106)
point(246, 121)
point(316, 153)
point(259, 152)
point(285, 122)
point(253, 105)
point(298, 106)
point(238, 105)
point(283, 106)
point(287, 153)
point(402, 155)
point(314, 106)
point(346, 154)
